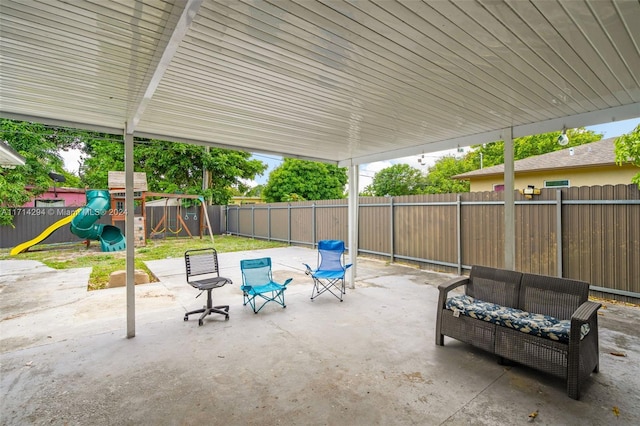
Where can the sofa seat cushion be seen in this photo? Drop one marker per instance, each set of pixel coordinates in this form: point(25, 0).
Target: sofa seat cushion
point(545, 326)
point(526, 322)
point(476, 308)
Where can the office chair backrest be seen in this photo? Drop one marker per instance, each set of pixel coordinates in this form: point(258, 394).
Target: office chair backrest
point(201, 262)
point(256, 272)
point(331, 252)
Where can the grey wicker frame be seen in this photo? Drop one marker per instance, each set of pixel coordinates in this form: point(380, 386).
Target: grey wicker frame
point(561, 298)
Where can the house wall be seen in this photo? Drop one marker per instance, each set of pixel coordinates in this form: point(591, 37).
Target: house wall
point(238, 201)
point(588, 176)
point(72, 197)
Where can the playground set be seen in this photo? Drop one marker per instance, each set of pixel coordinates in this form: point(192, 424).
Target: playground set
point(100, 202)
point(174, 225)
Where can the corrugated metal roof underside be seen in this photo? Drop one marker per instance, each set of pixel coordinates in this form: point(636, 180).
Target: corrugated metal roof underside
point(331, 80)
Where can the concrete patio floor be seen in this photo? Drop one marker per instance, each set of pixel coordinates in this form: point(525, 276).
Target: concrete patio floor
point(370, 360)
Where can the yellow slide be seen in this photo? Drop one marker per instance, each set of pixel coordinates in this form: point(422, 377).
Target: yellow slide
point(45, 234)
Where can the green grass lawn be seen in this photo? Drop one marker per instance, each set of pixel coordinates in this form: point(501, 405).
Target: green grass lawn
point(63, 256)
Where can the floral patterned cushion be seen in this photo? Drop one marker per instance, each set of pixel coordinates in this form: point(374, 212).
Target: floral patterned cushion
point(526, 322)
point(475, 308)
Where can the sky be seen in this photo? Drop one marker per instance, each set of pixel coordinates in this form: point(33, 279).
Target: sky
point(367, 171)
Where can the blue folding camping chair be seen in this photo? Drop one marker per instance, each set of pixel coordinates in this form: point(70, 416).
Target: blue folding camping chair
point(329, 276)
point(257, 282)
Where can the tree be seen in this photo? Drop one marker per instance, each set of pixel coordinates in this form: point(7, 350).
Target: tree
point(39, 145)
point(305, 180)
point(170, 167)
point(399, 179)
point(100, 157)
point(256, 191)
point(439, 180)
point(528, 146)
point(627, 148)
point(174, 167)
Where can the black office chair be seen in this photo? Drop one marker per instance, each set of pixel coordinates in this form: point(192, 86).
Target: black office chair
point(204, 264)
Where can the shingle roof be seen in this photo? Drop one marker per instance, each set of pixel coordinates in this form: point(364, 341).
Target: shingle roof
point(588, 155)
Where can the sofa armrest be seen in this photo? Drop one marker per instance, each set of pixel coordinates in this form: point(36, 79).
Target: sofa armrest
point(445, 288)
point(583, 356)
point(585, 312)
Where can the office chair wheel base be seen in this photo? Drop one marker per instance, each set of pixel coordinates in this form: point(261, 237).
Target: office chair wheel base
point(200, 322)
point(226, 318)
point(186, 318)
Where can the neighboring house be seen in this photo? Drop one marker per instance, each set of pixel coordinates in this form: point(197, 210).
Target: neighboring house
point(162, 202)
point(584, 165)
point(238, 201)
point(59, 197)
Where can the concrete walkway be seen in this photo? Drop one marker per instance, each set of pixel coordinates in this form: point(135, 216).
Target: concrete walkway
point(370, 360)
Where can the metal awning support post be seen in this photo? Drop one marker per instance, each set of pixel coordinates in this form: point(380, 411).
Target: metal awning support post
point(354, 171)
point(187, 13)
point(559, 249)
point(129, 230)
point(509, 202)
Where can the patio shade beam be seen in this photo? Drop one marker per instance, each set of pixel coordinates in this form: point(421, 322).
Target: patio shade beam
point(178, 33)
point(509, 202)
point(225, 145)
point(9, 157)
point(608, 115)
point(166, 55)
point(354, 172)
point(129, 231)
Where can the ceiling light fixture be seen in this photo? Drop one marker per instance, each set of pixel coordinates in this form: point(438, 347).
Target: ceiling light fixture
point(563, 139)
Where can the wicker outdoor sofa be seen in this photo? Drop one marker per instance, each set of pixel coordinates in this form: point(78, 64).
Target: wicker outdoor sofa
point(539, 321)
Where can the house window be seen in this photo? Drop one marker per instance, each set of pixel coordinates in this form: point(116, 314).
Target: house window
point(120, 206)
point(49, 203)
point(498, 187)
point(556, 183)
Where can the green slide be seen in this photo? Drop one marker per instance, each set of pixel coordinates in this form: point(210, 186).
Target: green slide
point(84, 224)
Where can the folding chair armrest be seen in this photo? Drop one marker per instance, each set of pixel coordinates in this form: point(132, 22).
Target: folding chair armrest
point(347, 266)
point(309, 271)
point(288, 280)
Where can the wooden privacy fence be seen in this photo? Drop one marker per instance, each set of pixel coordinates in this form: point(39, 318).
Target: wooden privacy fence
point(586, 233)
